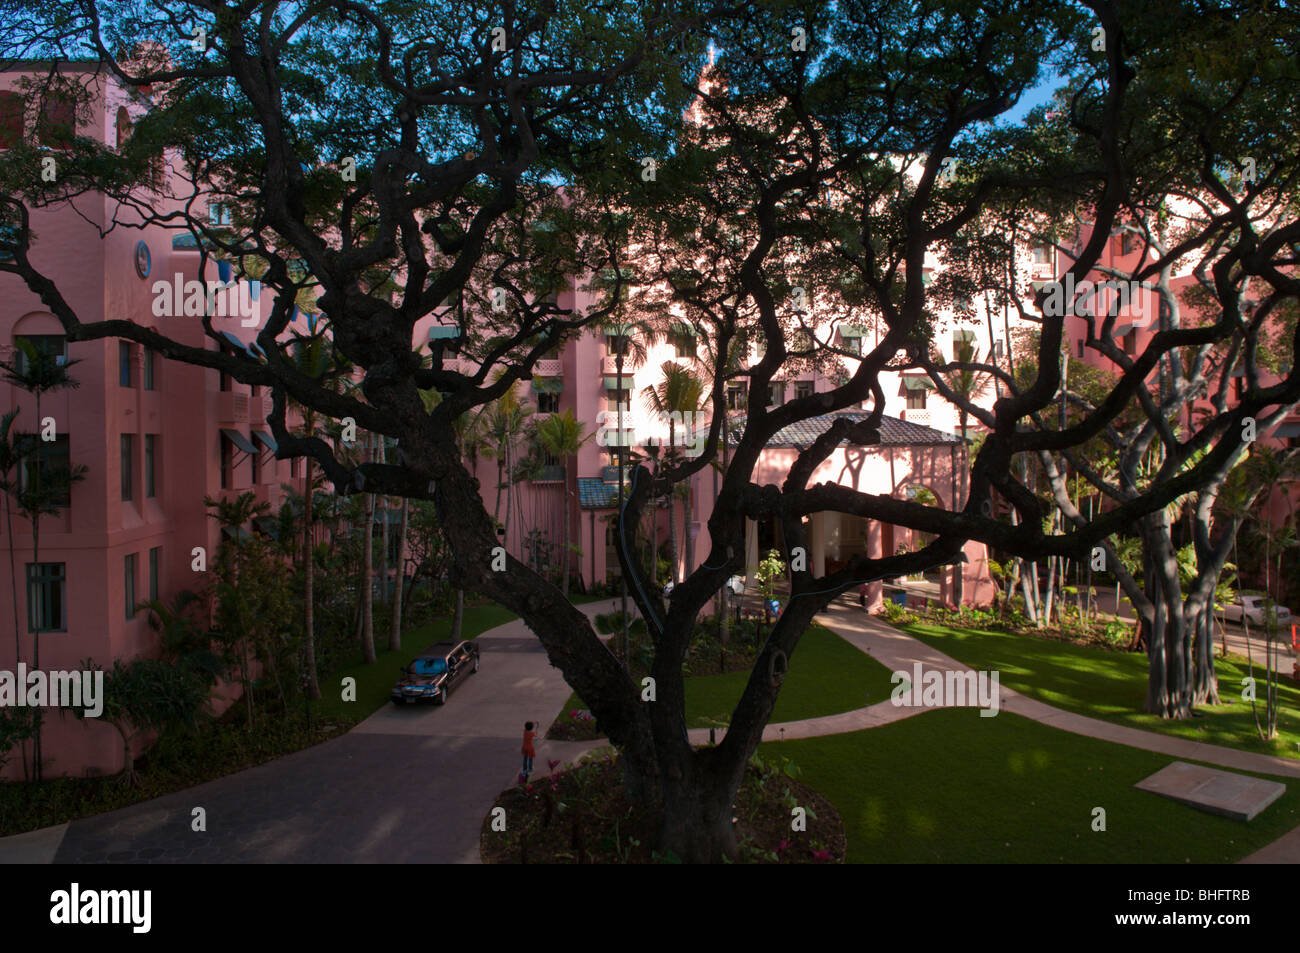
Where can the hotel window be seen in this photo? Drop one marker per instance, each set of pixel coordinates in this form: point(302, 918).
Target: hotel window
point(219, 214)
point(997, 350)
point(52, 459)
point(1042, 255)
point(58, 122)
point(155, 557)
point(47, 597)
point(128, 584)
point(150, 463)
point(293, 468)
point(1239, 388)
point(255, 465)
point(803, 389)
point(618, 344)
point(52, 345)
point(1081, 346)
point(683, 342)
point(227, 458)
point(1130, 342)
point(778, 393)
point(737, 395)
point(128, 451)
point(548, 403)
point(1128, 242)
point(916, 399)
point(613, 398)
point(11, 120)
point(150, 369)
point(124, 356)
point(123, 126)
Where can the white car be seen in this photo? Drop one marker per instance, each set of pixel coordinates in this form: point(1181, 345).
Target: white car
point(1255, 609)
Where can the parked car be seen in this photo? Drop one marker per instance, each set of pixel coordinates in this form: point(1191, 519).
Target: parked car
point(1255, 608)
point(434, 673)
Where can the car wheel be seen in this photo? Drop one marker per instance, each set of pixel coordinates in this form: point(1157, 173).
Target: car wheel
point(476, 663)
point(441, 697)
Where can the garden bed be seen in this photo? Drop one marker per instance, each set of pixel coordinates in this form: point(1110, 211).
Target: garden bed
point(583, 815)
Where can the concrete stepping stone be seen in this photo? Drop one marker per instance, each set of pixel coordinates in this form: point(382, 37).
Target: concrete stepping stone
point(1218, 792)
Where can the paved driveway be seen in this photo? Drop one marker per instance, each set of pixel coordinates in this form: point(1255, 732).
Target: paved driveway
point(408, 784)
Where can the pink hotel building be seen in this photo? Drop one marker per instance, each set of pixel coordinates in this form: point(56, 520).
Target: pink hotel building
point(158, 436)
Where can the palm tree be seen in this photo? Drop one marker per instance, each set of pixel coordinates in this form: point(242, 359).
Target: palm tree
point(561, 435)
point(506, 422)
point(232, 515)
point(15, 448)
point(632, 339)
point(39, 372)
point(310, 357)
point(713, 365)
point(967, 384)
point(679, 396)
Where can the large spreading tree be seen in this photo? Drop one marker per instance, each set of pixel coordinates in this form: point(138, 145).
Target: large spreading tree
point(398, 159)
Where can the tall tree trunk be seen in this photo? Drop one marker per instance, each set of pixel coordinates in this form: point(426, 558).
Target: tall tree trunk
point(564, 535)
point(689, 518)
point(367, 589)
point(382, 504)
point(395, 630)
point(309, 586)
point(458, 617)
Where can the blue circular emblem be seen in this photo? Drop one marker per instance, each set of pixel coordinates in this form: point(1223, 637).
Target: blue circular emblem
point(142, 260)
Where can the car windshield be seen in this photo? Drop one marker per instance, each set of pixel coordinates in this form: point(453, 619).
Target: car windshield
point(428, 666)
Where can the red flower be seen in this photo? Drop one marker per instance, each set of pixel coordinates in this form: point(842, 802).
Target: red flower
point(821, 855)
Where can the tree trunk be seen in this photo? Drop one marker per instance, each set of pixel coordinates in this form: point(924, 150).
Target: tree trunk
point(458, 617)
point(309, 588)
point(367, 590)
point(696, 823)
point(564, 535)
point(395, 630)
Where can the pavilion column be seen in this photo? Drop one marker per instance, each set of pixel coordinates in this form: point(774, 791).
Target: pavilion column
point(817, 543)
point(875, 550)
point(751, 548)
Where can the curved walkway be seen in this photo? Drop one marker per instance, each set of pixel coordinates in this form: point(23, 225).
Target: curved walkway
point(898, 651)
point(413, 784)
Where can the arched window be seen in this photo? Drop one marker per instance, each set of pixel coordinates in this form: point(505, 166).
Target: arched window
point(123, 126)
point(11, 120)
point(58, 122)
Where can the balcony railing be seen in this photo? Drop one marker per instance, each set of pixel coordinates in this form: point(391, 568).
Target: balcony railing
point(916, 416)
point(551, 474)
point(547, 368)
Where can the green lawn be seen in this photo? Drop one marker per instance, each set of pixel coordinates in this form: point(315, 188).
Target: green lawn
point(827, 676)
point(374, 682)
point(1112, 685)
point(949, 786)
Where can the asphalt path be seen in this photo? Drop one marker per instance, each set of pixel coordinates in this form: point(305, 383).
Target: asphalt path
point(410, 784)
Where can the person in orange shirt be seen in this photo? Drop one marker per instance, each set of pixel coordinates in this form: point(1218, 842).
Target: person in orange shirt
point(529, 752)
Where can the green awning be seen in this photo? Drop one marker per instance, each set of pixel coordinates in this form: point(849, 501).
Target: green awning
point(682, 330)
point(548, 385)
point(612, 383)
point(443, 331)
point(963, 334)
point(266, 440)
point(239, 440)
point(852, 331)
point(917, 383)
point(235, 532)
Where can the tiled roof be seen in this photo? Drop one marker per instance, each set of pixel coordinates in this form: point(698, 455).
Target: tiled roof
point(893, 432)
point(595, 494)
